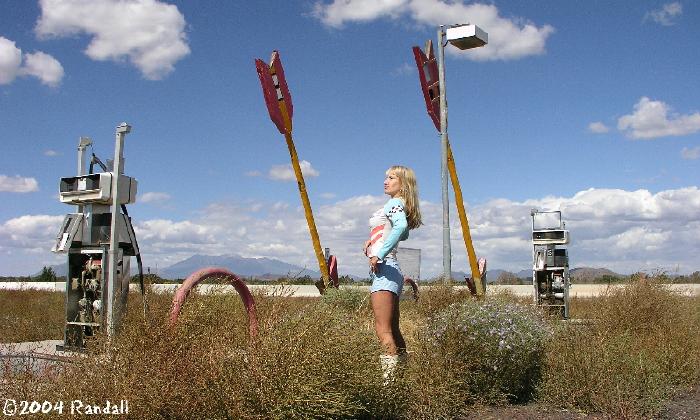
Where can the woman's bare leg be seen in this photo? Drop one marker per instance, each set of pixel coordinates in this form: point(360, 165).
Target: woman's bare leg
point(395, 330)
point(384, 306)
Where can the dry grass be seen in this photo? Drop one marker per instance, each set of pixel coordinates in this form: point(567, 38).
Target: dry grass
point(30, 315)
point(643, 347)
point(317, 358)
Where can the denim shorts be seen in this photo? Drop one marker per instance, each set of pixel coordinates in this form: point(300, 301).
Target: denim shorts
point(388, 277)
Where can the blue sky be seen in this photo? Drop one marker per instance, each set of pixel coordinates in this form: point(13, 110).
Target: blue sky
point(588, 107)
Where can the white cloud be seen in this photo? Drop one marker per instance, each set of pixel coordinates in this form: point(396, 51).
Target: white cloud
point(598, 127)
point(341, 11)
point(508, 38)
point(652, 119)
point(177, 233)
point(690, 154)
point(51, 153)
point(286, 172)
point(154, 197)
point(40, 65)
point(30, 233)
point(625, 231)
point(666, 14)
point(622, 230)
point(148, 33)
point(43, 67)
point(18, 184)
point(10, 61)
point(404, 69)
point(253, 173)
point(328, 195)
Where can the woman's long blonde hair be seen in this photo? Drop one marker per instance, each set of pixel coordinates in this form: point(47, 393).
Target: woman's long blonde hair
point(409, 194)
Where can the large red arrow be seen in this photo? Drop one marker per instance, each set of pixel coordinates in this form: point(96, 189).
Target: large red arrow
point(429, 82)
point(275, 90)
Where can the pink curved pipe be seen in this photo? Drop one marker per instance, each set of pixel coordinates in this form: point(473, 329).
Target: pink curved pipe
point(203, 274)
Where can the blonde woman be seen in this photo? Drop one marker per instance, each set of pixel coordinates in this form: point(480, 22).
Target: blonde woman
point(388, 226)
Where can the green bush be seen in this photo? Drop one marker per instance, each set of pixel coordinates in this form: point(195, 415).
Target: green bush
point(495, 348)
point(48, 274)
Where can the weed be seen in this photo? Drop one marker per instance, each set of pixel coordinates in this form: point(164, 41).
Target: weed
point(494, 347)
point(641, 349)
point(351, 299)
point(318, 357)
point(30, 315)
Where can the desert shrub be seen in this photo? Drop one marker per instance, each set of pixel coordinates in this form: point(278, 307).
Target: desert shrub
point(30, 315)
point(582, 308)
point(353, 298)
point(316, 362)
point(492, 350)
point(437, 295)
point(310, 360)
point(642, 348)
point(318, 357)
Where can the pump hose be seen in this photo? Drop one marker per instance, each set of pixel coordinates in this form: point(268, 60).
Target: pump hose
point(95, 160)
point(138, 262)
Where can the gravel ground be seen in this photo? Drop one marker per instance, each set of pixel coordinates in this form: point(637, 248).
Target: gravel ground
point(684, 407)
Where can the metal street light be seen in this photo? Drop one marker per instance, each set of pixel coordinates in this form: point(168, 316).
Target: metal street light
point(463, 37)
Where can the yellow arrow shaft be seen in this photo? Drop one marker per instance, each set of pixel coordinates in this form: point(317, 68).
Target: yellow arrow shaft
point(464, 222)
point(304, 196)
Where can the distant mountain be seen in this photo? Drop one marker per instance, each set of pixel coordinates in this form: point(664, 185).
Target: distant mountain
point(492, 275)
point(270, 268)
point(589, 274)
point(258, 267)
point(507, 277)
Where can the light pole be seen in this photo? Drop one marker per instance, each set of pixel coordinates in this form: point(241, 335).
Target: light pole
point(463, 37)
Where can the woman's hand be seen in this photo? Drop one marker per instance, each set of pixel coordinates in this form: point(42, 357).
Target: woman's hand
point(366, 247)
point(373, 264)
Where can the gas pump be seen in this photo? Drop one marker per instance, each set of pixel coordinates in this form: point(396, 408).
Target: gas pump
point(99, 240)
point(550, 261)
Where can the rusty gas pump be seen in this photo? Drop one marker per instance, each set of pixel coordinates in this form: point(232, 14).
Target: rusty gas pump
point(99, 240)
point(550, 261)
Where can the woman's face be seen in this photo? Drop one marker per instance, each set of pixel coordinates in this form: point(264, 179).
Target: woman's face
point(392, 185)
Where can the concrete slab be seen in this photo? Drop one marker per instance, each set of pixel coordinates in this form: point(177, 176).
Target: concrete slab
point(36, 357)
